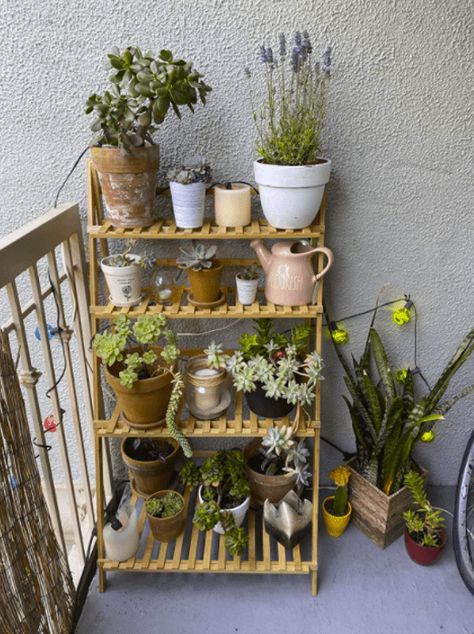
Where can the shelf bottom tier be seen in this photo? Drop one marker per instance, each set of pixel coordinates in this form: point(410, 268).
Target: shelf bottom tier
point(194, 551)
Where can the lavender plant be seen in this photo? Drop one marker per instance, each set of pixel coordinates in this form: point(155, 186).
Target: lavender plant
point(291, 119)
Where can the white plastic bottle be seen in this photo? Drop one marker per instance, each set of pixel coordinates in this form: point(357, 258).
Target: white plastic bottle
point(121, 537)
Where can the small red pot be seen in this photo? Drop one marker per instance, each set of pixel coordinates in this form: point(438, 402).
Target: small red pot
point(424, 555)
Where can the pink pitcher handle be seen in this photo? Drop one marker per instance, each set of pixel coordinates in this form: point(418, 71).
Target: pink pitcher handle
point(330, 256)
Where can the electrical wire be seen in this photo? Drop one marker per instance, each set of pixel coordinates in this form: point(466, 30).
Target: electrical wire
point(76, 163)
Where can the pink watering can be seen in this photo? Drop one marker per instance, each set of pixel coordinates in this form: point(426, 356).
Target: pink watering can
point(290, 279)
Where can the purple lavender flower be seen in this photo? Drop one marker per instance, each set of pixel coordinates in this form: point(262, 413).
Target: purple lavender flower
point(247, 72)
point(306, 45)
point(282, 45)
point(269, 54)
point(326, 61)
point(298, 38)
point(262, 54)
point(296, 59)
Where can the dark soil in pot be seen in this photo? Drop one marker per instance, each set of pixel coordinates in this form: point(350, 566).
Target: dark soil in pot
point(267, 407)
point(227, 502)
point(153, 470)
point(144, 449)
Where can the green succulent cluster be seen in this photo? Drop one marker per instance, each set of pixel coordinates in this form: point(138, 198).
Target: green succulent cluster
point(222, 475)
point(424, 524)
point(144, 88)
point(254, 344)
point(168, 506)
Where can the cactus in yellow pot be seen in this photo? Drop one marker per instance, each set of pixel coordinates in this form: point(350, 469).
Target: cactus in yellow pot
point(336, 508)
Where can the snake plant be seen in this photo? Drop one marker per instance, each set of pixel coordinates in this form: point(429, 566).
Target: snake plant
point(387, 418)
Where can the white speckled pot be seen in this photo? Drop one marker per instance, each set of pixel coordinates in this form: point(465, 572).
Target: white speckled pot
point(239, 513)
point(291, 194)
point(188, 204)
point(124, 282)
point(246, 290)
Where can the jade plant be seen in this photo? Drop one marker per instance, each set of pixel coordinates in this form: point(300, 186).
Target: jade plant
point(224, 486)
point(425, 525)
point(144, 88)
point(167, 506)
point(387, 417)
point(340, 476)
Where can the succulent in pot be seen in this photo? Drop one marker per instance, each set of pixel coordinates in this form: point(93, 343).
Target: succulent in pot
point(291, 174)
point(207, 383)
point(425, 535)
point(276, 464)
point(143, 89)
point(150, 462)
point(143, 375)
point(273, 370)
point(247, 284)
point(124, 276)
point(336, 508)
point(204, 273)
point(166, 513)
point(188, 192)
point(223, 496)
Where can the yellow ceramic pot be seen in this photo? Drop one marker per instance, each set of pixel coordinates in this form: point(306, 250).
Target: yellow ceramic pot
point(335, 524)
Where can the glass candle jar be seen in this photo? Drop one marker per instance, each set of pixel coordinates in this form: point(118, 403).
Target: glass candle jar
point(207, 390)
point(161, 287)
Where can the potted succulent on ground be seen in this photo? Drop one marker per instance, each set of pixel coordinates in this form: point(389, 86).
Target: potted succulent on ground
point(188, 193)
point(388, 420)
point(150, 463)
point(425, 535)
point(273, 371)
point(207, 383)
point(247, 284)
point(204, 274)
point(291, 174)
point(336, 508)
point(143, 89)
point(275, 465)
point(223, 496)
point(124, 275)
point(166, 514)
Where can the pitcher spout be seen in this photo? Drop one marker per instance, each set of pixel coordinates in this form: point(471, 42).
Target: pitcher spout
point(263, 255)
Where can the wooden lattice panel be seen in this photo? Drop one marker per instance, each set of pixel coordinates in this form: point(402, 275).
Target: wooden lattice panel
point(194, 551)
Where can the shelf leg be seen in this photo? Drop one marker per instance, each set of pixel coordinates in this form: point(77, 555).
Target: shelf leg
point(314, 583)
point(99, 466)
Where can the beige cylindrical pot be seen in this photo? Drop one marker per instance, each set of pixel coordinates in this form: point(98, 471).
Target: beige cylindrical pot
point(124, 282)
point(232, 206)
point(246, 290)
point(128, 183)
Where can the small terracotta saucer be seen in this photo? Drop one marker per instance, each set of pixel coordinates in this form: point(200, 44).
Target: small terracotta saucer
point(142, 426)
point(218, 302)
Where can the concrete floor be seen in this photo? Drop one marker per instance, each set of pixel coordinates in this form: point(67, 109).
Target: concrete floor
point(362, 590)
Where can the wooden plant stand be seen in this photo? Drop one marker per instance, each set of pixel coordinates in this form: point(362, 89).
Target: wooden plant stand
point(194, 551)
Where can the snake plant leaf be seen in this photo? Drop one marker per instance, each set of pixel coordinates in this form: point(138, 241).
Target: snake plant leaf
point(391, 416)
point(444, 407)
point(408, 392)
point(381, 361)
point(357, 424)
point(361, 410)
point(372, 397)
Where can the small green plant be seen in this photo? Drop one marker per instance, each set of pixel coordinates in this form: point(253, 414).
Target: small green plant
point(120, 260)
point(224, 486)
point(167, 506)
point(340, 476)
point(249, 273)
point(198, 257)
point(426, 523)
point(291, 120)
point(144, 87)
point(282, 454)
point(187, 174)
point(275, 362)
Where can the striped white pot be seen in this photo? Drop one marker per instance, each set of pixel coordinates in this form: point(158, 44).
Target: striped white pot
point(189, 202)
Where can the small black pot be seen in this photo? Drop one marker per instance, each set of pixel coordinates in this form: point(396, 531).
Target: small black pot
point(265, 406)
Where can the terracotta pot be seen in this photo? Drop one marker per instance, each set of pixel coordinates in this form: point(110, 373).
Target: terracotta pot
point(144, 405)
point(335, 524)
point(167, 528)
point(265, 406)
point(206, 284)
point(150, 476)
point(265, 487)
point(424, 555)
point(128, 183)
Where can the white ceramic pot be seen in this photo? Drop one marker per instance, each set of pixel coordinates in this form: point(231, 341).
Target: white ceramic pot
point(291, 194)
point(239, 513)
point(189, 202)
point(246, 290)
point(124, 282)
point(232, 206)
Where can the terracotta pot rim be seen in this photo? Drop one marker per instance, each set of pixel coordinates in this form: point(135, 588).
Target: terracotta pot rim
point(153, 463)
point(145, 383)
point(117, 149)
point(162, 493)
point(331, 497)
point(429, 549)
point(250, 450)
point(219, 266)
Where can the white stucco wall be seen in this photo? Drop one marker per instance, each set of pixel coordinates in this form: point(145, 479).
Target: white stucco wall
point(399, 133)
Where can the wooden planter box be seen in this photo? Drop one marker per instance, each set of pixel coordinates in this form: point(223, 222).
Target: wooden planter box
point(377, 515)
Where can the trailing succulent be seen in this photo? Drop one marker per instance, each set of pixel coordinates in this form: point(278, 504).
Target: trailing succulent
point(282, 453)
point(168, 506)
point(386, 417)
point(196, 257)
point(426, 523)
point(223, 483)
point(144, 87)
point(187, 174)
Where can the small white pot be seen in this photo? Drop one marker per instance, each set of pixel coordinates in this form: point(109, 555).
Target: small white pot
point(124, 282)
point(189, 202)
point(291, 194)
point(246, 290)
point(239, 513)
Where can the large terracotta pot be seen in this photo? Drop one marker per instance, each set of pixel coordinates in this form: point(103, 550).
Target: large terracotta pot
point(128, 183)
point(206, 284)
point(150, 476)
point(265, 487)
point(168, 528)
point(424, 555)
point(144, 405)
